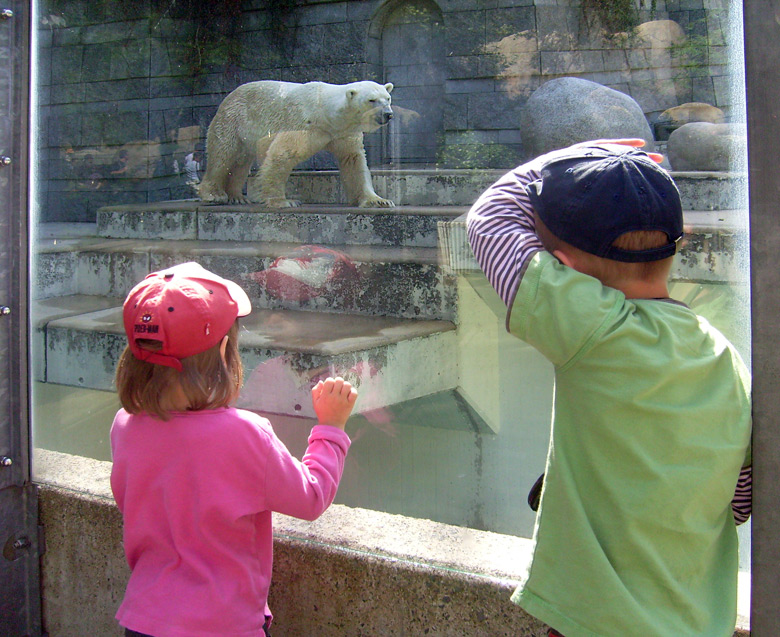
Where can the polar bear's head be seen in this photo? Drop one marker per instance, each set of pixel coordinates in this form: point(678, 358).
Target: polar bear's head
point(371, 101)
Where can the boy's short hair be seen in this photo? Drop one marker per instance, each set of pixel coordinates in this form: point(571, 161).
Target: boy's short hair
point(609, 271)
point(207, 381)
point(590, 196)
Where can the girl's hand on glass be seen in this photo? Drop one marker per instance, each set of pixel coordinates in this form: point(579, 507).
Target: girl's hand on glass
point(333, 400)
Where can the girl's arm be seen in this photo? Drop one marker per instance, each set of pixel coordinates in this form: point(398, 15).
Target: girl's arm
point(304, 489)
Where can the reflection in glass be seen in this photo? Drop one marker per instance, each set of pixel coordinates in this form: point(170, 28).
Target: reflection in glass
point(453, 419)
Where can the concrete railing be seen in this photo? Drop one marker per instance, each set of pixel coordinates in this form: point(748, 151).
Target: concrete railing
point(352, 572)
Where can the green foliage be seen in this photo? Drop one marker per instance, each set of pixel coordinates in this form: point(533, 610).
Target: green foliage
point(692, 53)
point(470, 153)
point(215, 28)
point(616, 16)
point(215, 31)
point(279, 13)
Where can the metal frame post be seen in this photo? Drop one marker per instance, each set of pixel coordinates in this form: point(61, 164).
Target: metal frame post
point(762, 71)
point(20, 599)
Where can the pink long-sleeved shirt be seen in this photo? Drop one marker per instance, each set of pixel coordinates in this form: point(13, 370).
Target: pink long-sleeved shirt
point(196, 494)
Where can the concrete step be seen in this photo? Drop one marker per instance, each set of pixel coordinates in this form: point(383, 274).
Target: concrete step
point(699, 190)
point(45, 311)
point(422, 198)
point(311, 224)
point(284, 353)
point(399, 281)
point(714, 248)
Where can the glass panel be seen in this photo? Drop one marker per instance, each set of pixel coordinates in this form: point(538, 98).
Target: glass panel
point(453, 416)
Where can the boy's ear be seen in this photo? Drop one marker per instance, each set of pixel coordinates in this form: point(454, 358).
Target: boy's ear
point(564, 258)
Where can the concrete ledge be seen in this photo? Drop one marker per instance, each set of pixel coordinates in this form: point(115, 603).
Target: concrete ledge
point(352, 572)
point(452, 187)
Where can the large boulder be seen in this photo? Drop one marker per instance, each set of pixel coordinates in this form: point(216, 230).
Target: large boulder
point(568, 110)
point(706, 147)
point(658, 40)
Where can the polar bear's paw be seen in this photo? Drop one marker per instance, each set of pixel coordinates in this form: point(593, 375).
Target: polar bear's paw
point(281, 202)
point(375, 202)
point(240, 199)
point(210, 193)
point(214, 199)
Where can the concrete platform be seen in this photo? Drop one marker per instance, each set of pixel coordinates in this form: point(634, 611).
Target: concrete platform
point(421, 187)
point(284, 353)
point(393, 575)
point(406, 282)
point(427, 197)
point(318, 224)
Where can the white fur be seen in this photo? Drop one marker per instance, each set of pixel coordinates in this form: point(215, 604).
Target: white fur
point(280, 124)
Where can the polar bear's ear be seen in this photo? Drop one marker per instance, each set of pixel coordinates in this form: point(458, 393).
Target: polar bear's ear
point(351, 92)
point(388, 87)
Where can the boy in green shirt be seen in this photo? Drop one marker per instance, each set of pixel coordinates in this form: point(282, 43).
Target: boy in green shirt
point(648, 468)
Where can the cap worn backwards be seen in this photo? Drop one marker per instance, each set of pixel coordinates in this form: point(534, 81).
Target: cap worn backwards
point(591, 195)
point(186, 308)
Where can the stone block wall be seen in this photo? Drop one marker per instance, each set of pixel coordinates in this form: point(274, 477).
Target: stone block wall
point(148, 76)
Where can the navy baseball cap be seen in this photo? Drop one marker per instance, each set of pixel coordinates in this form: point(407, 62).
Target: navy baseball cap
point(590, 195)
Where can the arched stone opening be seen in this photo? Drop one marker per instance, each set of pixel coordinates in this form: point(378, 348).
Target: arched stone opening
point(406, 47)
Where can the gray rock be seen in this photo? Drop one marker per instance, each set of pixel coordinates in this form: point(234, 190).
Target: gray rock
point(705, 146)
point(568, 110)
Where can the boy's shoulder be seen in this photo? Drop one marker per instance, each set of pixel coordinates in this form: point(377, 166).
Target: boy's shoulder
point(548, 284)
point(547, 277)
point(565, 314)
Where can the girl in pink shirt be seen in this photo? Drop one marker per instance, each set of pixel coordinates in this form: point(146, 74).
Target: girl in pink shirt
point(195, 479)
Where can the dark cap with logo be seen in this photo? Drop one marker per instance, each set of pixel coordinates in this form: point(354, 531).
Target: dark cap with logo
point(588, 196)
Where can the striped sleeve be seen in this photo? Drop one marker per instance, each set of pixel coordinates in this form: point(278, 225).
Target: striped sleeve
point(501, 230)
point(742, 504)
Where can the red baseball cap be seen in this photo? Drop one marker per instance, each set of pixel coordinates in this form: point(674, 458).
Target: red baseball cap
point(186, 307)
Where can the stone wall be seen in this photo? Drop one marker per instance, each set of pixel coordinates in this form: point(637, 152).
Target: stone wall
point(147, 77)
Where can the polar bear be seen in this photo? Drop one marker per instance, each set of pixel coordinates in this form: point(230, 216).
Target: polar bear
point(280, 124)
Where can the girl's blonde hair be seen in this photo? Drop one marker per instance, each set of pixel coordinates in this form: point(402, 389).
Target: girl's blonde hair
point(207, 381)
